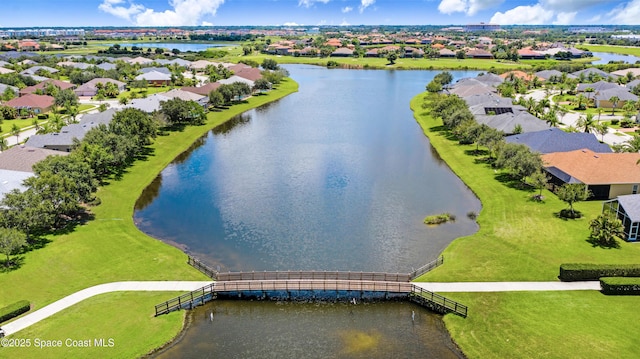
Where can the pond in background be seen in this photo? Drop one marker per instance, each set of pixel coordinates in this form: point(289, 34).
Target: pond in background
point(182, 46)
point(605, 57)
point(337, 176)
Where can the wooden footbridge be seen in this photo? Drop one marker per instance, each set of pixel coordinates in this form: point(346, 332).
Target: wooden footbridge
point(312, 285)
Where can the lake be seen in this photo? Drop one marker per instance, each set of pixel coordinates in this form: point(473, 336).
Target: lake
point(338, 176)
point(182, 46)
point(605, 57)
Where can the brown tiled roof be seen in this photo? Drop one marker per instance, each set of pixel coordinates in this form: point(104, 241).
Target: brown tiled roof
point(596, 168)
point(22, 158)
point(31, 100)
point(42, 85)
point(521, 75)
point(249, 73)
point(204, 89)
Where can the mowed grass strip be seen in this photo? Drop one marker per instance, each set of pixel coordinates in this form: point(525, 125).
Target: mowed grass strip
point(522, 240)
point(110, 247)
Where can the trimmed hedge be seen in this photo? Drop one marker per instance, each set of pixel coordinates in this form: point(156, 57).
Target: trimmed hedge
point(570, 272)
point(14, 310)
point(620, 285)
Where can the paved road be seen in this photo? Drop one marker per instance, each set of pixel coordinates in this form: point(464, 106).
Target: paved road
point(180, 286)
point(66, 302)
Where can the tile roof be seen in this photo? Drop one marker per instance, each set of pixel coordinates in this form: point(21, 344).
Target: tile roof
point(235, 78)
point(622, 93)
point(598, 86)
point(31, 100)
point(547, 74)
point(183, 95)
point(204, 89)
point(22, 158)
point(10, 180)
point(154, 76)
point(634, 70)
point(42, 85)
point(507, 122)
point(596, 168)
point(557, 140)
point(164, 70)
point(95, 119)
point(592, 70)
point(249, 73)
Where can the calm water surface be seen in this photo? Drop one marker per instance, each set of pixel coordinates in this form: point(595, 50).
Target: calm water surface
point(605, 57)
point(303, 330)
point(338, 176)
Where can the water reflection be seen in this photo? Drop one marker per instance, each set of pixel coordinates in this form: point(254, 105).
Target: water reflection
point(232, 329)
point(237, 121)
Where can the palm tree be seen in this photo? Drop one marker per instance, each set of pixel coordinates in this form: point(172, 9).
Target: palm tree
point(581, 102)
point(531, 104)
point(606, 228)
point(15, 131)
point(551, 118)
point(614, 101)
point(602, 129)
point(587, 124)
point(632, 145)
point(560, 111)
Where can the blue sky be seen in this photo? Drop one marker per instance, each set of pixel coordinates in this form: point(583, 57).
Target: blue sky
point(69, 13)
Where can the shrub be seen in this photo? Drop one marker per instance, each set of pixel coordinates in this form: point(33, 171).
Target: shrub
point(440, 218)
point(626, 124)
point(472, 215)
point(620, 285)
point(14, 310)
point(570, 272)
point(615, 121)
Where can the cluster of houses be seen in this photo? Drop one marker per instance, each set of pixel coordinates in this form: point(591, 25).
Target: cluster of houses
point(16, 162)
point(568, 157)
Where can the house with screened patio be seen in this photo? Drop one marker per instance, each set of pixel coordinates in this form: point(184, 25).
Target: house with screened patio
point(627, 209)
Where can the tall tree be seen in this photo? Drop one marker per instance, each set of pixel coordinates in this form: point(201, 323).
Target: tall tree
point(614, 101)
point(571, 193)
point(586, 123)
point(11, 241)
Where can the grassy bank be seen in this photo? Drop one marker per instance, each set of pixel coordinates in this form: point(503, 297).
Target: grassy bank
point(623, 50)
point(523, 240)
point(110, 248)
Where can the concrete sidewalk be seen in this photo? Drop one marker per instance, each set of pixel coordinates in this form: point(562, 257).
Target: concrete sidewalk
point(66, 302)
point(506, 286)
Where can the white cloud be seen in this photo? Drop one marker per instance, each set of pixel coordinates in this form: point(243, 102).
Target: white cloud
point(565, 18)
point(626, 14)
point(183, 12)
point(309, 3)
point(206, 23)
point(571, 5)
point(594, 19)
point(479, 5)
point(322, 22)
point(470, 7)
point(451, 6)
point(344, 23)
point(365, 4)
point(523, 15)
point(292, 24)
point(346, 9)
point(113, 7)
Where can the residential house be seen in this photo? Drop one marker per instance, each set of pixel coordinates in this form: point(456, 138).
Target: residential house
point(75, 65)
point(90, 88)
point(34, 69)
point(4, 88)
point(155, 78)
point(635, 72)
point(627, 209)
point(203, 90)
point(478, 54)
point(592, 73)
point(632, 84)
point(28, 45)
point(490, 79)
point(33, 103)
point(140, 61)
point(98, 118)
point(548, 74)
point(249, 73)
point(200, 64)
point(22, 158)
point(12, 180)
point(202, 100)
point(446, 52)
point(413, 52)
point(606, 175)
point(164, 70)
point(602, 99)
point(528, 54)
point(521, 75)
point(509, 122)
point(557, 140)
point(106, 66)
point(43, 85)
point(342, 52)
point(5, 71)
point(597, 86)
point(236, 78)
point(148, 104)
point(62, 141)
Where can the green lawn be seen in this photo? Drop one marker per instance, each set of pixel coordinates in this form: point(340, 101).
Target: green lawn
point(110, 247)
point(140, 92)
point(523, 240)
point(5, 127)
point(624, 50)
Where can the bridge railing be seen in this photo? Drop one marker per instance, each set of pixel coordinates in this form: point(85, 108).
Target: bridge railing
point(197, 264)
point(313, 275)
point(447, 304)
point(185, 300)
point(426, 268)
point(321, 285)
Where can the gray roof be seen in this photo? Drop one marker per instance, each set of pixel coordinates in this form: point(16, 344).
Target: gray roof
point(179, 62)
point(63, 138)
point(562, 175)
point(547, 74)
point(164, 70)
point(507, 122)
point(106, 66)
point(490, 79)
point(557, 140)
point(631, 205)
point(592, 70)
point(4, 88)
point(154, 76)
point(631, 85)
point(10, 180)
point(183, 95)
point(22, 158)
point(480, 89)
point(4, 63)
point(235, 78)
point(149, 104)
point(38, 78)
point(489, 100)
point(598, 86)
point(622, 93)
point(95, 119)
point(34, 69)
